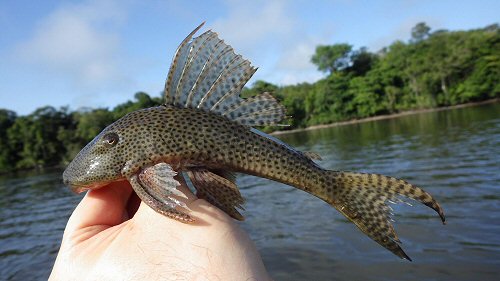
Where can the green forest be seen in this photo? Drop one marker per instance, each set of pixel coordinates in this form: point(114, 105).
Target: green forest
point(433, 69)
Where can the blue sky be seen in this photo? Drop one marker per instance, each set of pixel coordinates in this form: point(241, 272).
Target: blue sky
point(99, 53)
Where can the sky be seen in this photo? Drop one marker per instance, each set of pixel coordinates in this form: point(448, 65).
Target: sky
point(100, 53)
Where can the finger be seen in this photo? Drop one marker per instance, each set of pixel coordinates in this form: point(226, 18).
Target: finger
point(132, 205)
point(105, 206)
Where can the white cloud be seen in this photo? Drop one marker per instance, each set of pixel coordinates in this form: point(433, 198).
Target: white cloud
point(402, 32)
point(298, 57)
point(295, 62)
point(250, 23)
point(272, 37)
point(295, 77)
point(78, 42)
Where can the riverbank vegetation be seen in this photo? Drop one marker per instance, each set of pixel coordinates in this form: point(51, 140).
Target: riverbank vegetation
point(434, 69)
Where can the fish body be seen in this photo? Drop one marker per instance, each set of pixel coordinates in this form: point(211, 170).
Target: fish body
point(187, 138)
point(204, 130)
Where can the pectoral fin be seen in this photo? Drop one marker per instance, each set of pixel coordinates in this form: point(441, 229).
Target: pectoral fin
point(155, 186)
point(219, 189)
point(159, 180)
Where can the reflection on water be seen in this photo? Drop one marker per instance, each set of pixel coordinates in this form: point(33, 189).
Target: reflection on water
point(34, 209)
point(452, 154)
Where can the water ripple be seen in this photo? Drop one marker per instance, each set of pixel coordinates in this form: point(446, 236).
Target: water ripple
point(452, 154)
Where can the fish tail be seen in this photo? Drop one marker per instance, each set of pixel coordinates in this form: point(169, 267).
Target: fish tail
point(362, 199)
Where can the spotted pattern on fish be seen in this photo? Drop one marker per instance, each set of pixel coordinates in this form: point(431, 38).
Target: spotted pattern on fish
point(207, 134)
point(366, 206)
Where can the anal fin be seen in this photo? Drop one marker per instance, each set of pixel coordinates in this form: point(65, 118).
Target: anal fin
point(218, 188)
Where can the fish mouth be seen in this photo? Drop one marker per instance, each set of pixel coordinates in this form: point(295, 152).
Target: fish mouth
point(79, 188)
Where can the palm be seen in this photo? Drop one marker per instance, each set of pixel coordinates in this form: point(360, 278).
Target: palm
point(110, 237)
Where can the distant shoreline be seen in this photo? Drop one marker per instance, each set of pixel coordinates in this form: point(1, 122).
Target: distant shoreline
point(342, 123)
point(386, 116)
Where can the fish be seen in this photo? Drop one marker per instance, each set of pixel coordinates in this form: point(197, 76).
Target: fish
point(206, 132)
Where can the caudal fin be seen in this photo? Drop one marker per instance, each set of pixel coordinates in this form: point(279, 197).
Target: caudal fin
point(362, 199)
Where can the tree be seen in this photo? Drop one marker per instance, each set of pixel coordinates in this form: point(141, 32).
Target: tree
point(259, 87)
point(332, 58)
point(34, 138)
point(420, 32)
point(294, 101)
point(362, 61)
point(143, 100)
point(433, 69)
point(90, 124)
point(8, 157)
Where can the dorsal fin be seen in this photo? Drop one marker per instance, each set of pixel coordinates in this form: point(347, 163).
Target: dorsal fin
point(176, 67)
point(206, 74)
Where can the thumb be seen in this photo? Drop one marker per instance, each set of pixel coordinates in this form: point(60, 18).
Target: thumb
point(101, 208)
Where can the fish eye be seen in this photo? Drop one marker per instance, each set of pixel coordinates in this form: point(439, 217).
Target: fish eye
point(110, 139)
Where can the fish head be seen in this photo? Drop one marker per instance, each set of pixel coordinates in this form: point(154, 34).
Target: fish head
point(101, 161)
point(97, 164)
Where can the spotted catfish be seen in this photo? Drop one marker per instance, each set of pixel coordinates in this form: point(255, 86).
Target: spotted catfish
point(204, 130)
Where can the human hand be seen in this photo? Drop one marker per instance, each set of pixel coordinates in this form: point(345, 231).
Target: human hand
point(112, 235)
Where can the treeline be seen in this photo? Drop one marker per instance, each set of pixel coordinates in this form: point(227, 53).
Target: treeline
point(49, 136)
point(433, 69)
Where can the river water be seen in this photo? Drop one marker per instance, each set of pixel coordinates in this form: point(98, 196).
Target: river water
point(453, 154)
